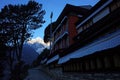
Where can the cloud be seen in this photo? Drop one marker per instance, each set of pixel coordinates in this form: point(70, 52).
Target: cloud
point(38, 40)
point(38, 44)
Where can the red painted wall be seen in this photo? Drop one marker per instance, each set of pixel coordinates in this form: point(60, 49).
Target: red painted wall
point(72, 28)
point(72, 32)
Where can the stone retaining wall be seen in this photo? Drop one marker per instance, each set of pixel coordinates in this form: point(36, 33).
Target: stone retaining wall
point(57, 74)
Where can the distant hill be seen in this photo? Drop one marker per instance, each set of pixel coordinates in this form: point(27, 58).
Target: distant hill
point(29, 54)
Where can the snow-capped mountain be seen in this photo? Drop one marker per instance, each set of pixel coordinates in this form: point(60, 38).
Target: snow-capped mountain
point(32, 49)
point(38, 44)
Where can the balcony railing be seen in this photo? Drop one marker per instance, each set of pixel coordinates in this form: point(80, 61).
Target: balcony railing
point(56, 57)
point(110, 41)
point(60, 37)
point(60, 24)
point(94, 13)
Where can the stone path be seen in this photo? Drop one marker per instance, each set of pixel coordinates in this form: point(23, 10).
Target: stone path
point(37, 74)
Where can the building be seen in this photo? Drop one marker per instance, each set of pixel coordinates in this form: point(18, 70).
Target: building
point(87, 40)
point(65, 30)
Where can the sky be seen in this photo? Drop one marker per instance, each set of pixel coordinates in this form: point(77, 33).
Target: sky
point(55, 6)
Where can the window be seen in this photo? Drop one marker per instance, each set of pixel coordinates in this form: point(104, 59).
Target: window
point(116, 60)
point(92, 64)
point(107, 62)
point(66, 26)
point(113, 6)
point(71, 67)
point(87, 66)
point(99, 63)
point(78, 67)
point(64, 43)
point(67, 41)
point(88, 24)
point(63, 28)
point(60, 44)
point(118, 3)
point(85, 26)
point(80, 29)
point(74, 67)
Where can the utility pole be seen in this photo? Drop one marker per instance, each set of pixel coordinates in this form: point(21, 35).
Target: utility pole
point(51, 31)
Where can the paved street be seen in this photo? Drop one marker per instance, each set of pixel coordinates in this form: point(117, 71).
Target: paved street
point(37, 74)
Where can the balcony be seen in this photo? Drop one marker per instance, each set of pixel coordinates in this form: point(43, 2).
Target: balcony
point(60, 24)
point(101, 27)
point(95, 13)
point(60, 37)
point(108, 42)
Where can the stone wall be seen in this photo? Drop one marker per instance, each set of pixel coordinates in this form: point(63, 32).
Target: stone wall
point(58, 75)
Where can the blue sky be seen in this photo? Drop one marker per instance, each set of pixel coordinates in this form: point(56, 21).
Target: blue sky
point(55, 6)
